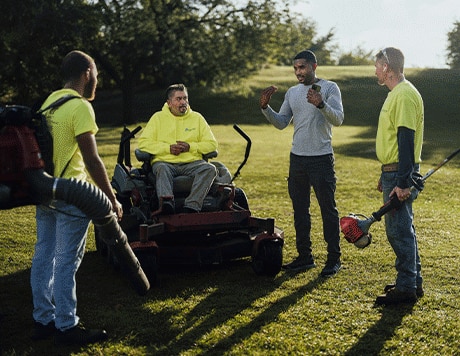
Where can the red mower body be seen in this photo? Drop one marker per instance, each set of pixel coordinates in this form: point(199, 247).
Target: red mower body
point(225, 229)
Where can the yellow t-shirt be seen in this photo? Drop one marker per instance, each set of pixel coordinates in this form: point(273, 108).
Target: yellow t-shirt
point(403, 107)
point(73, 118)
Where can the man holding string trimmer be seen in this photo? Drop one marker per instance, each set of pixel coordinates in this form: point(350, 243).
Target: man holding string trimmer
point(398, 147)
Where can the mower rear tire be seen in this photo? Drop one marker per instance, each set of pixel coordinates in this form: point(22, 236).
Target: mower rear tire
point(268, 259)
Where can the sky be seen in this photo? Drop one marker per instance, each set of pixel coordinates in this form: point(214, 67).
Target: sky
point(417, 27)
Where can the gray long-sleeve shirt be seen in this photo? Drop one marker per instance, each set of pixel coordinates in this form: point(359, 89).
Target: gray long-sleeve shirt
point(312, 126)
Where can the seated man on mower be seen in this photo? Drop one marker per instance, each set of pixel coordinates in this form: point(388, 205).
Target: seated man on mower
point(177, 137)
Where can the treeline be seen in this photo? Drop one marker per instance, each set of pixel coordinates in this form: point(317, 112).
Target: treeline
point(152, 43)
point(147, 42)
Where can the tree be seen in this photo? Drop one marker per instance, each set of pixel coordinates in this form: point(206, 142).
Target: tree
point(199, 42)
point(148, 42)
point(453, 48)
point(357, 57)
point(34, 37)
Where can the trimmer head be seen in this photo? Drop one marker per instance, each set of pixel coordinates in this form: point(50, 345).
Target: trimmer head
point(355, 230)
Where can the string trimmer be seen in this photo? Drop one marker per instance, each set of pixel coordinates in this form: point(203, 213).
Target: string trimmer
point(355, 227)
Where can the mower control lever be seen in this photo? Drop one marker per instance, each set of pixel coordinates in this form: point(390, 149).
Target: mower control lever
point(248, 149)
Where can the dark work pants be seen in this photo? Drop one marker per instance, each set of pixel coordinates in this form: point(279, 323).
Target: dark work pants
point(317, 172)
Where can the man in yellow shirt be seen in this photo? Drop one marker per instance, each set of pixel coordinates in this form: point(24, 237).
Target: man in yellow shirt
point(177, 137)
point(398, 147)
point(62, 228)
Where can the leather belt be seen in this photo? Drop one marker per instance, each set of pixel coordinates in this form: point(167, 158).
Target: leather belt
point(391, 167)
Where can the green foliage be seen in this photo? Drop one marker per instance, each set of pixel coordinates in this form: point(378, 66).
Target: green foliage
point(34, 37)
point(453, 48)
point(154, 43)
point(228, 310)
point(357, 57)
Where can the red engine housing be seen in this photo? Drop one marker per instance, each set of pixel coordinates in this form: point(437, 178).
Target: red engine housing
point(19, 152)
point(350, 228)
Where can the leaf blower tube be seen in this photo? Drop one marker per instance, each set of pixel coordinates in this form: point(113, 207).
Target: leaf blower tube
point(96, 206)
point(23, 181)
point(356, 230)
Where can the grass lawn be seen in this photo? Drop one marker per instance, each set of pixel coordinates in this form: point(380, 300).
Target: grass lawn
point(228, 309)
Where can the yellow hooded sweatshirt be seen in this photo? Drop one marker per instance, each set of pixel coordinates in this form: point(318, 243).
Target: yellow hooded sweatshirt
point(165, 129)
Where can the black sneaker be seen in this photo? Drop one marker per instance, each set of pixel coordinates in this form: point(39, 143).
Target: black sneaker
point(419, 291)
point(331, 268)
point(300, 263)
point(42, 332)
point(395, 296)
point(78, 335)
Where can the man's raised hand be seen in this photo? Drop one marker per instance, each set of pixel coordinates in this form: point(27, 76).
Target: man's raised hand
point(266, 95)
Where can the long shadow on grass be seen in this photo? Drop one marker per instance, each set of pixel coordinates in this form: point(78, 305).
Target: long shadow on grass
point(373, 341)
point(16, 319)
point(267, 316)
point(232, 298)
point(15, 315)
point(101, 291)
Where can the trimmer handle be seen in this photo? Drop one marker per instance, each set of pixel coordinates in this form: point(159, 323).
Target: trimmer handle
point(394, 203)
point(391, 204)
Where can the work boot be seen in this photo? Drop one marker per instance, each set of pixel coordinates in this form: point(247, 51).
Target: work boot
point(42, 332)
point(168, 208)
point(395, 296)
point(187, 210)
point(419, 291)
point(78, 335)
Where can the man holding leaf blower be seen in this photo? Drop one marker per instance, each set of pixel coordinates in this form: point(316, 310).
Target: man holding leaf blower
point(398, 147)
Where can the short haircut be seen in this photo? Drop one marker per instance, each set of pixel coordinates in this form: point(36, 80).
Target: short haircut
point(308, 55)
point(393, 57)
point(174, 87)
point(74, 64)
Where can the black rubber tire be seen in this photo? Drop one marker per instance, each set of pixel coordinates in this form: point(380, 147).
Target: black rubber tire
point(268, 259)
point(240, 199)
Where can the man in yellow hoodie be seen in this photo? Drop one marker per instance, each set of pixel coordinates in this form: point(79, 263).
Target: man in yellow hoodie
point(177, 137)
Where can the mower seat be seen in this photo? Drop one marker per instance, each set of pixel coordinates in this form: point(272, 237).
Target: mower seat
point(182, 184)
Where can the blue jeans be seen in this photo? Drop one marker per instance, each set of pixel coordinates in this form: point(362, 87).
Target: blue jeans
point(401, 234)
point(317, 172)
point(61, 239)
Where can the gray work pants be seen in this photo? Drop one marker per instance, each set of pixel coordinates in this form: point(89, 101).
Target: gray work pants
point(202, 172)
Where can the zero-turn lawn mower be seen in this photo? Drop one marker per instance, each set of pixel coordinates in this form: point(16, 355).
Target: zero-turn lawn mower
point(224, 230)
point(355, 227)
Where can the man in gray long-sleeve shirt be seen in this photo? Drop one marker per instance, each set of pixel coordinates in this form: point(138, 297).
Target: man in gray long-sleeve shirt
point(314, 106)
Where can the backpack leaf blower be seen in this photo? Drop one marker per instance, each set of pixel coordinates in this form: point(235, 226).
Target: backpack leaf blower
point(355, 227)
point(23, 181)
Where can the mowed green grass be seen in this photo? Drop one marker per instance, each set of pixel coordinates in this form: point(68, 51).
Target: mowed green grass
point(228, 310)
